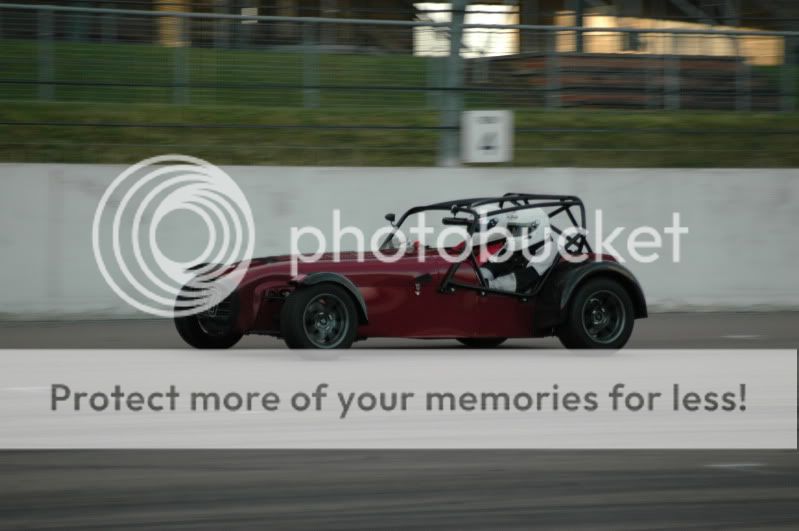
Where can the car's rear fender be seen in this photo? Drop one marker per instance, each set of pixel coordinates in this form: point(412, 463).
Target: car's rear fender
point(555, 297)
point(340, 280)
point(260, 301)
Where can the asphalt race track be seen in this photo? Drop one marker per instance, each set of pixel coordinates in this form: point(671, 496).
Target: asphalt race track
point(421, 489)
point(669, 330)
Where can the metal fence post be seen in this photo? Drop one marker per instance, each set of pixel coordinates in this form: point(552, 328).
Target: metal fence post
point(221, 33)
point(743, 86)
point(109, 27)
point(434, 81)
point(77, 26)
point(310, 66)
point(553, 99)
point(672, 77)
point(45, 55)
point(654, 92)
point(743, 79)
point(180, 89)
point(788, 75)
point(452, 100)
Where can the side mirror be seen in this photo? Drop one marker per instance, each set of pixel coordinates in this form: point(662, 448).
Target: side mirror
point(390, 217)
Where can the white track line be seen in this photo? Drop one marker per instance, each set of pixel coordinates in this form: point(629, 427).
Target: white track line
point(734, 465)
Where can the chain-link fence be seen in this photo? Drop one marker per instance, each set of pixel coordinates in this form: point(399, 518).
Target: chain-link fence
point(327, 90)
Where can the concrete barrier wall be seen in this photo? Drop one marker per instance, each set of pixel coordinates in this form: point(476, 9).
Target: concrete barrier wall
point(741, 251)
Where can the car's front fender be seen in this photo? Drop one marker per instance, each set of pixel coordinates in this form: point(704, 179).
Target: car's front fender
point(568, 277)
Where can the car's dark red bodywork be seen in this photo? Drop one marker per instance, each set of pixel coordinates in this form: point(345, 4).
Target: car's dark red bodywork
point(393, 303)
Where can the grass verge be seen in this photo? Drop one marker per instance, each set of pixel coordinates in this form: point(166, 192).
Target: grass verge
point(246, 134)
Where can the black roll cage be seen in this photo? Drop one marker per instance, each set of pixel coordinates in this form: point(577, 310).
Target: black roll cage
point(575, 244)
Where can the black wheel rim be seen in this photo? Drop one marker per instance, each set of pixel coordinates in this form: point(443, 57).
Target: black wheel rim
point(217, 320)
point(604, 317)
point(325, 321)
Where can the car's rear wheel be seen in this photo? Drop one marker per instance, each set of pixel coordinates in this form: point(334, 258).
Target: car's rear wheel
point(600, 315)
point(322, 316)
point(213, 328)
point(482, 342)
point(193, 333)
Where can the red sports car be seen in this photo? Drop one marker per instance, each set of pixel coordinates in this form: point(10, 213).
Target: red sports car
point(587, 300)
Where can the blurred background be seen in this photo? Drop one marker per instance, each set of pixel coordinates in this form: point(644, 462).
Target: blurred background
point(610, 86)
point(597, 83)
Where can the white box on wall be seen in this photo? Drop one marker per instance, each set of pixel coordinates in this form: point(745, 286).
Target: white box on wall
point(487, 136)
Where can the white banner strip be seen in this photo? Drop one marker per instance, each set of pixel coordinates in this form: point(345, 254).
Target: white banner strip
point(398, 399)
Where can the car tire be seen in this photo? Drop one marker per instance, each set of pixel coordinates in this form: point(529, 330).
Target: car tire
point(193, 333)
point(600, 316)
point(322, 316)
point(482, 342)
point(207, 332)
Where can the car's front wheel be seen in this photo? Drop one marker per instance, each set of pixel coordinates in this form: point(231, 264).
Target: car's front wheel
point(600, 315)
point(481, 342)
point(322, 316)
